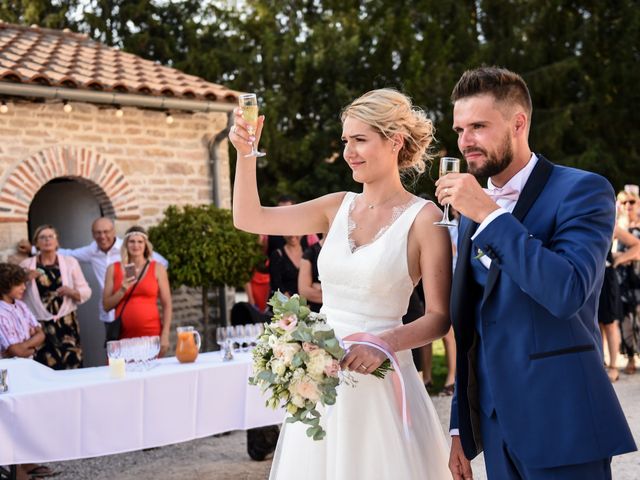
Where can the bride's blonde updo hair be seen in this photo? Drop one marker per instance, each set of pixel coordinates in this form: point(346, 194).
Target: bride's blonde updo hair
point(390, 112)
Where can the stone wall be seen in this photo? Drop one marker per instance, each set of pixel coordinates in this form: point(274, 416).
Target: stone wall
point(136, 165)
point(154, 164)
point(163, 163)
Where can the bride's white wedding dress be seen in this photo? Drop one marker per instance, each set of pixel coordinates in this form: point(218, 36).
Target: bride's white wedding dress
point(367, 290)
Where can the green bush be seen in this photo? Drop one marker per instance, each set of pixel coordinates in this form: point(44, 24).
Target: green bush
point(205, 251)
point(203, 247)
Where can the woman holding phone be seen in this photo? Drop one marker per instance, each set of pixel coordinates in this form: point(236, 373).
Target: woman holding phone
point(133, 286)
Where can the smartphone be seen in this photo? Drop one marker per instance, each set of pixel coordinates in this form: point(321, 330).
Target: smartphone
point(129, 270)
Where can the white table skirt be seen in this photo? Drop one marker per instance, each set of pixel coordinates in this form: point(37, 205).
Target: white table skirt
point(52, 415)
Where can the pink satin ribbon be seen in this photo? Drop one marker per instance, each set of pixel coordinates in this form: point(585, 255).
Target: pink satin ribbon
point(398, 382)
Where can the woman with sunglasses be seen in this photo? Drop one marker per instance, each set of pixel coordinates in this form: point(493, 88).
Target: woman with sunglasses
point(629, 276)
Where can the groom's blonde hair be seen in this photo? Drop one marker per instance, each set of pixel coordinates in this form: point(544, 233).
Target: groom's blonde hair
point(390, 112)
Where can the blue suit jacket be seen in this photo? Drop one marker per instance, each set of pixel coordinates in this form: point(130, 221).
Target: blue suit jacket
point(553, 399)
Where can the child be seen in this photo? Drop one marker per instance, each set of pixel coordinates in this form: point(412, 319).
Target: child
point(20, 334)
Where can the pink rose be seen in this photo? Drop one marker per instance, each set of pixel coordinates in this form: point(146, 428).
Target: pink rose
point(332, 369)
point(309, 347)
point(288, 322)
point(285, 352)
point(307, 389)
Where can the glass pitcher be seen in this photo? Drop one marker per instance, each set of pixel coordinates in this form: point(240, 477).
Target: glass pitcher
point(188, 344)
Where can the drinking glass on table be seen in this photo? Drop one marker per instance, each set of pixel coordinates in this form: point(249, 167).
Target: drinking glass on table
point(116, 362)
point(250, 335)
point(113, 349)
point(231, 336)
point(256, 331)
point(155, 350)
point(221, 336)
point(243, 337)
point(249, 104)
point(127, 351)
point(136, 354)
point(447, 165)
point(150, 351)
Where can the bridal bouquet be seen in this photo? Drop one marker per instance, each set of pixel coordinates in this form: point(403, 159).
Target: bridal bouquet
point(297, 359)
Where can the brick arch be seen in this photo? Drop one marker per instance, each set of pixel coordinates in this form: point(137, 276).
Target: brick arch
point(102, 176)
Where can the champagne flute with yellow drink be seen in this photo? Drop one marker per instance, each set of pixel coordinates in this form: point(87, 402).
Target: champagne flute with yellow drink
point(447, 165)
point(249, 105)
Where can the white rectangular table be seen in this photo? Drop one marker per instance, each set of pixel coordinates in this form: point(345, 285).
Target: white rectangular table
point(52, 415)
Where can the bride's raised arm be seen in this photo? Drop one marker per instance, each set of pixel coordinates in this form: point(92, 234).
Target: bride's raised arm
point(249, 214)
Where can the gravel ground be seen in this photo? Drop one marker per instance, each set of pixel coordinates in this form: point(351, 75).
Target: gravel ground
point(225, 458)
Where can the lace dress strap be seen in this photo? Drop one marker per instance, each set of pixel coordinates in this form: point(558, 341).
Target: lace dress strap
point(395, 214)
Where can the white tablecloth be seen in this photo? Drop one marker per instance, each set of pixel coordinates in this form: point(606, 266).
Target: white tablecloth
point(52, 415)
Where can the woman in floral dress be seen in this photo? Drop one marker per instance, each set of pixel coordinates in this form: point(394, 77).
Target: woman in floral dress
point(56, 289)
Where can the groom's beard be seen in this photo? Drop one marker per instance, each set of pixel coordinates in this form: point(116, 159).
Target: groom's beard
point(495, 163)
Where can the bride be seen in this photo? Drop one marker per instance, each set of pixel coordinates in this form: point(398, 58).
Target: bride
point(379, 244)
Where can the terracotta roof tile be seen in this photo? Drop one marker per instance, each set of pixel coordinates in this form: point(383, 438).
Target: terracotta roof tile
point(62, 58)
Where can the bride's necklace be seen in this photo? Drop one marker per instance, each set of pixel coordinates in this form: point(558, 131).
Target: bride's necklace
point(371, 206)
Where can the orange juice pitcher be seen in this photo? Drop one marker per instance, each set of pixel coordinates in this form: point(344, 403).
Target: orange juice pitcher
point(188, 344)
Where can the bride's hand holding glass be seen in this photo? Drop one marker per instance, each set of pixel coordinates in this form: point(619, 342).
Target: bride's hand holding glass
point(247, 129)
point(239, 134)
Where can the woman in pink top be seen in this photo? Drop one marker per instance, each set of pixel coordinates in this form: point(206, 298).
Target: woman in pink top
point(53, 295)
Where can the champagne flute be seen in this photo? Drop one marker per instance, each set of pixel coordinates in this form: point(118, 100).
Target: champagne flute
point(113, 349)
point(116, 362)
point(249, 105)
point(447, 165)
point(231, 336)
point(221, 336)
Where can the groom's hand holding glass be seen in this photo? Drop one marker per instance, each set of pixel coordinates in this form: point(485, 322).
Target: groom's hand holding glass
point(463, 192)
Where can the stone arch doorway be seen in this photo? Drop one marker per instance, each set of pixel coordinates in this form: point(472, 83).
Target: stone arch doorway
point(102, 176)
point(71, 204)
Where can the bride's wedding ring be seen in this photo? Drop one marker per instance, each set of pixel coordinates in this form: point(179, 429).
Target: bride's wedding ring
point(446, 191)
point(362, 367)
point(234, 129)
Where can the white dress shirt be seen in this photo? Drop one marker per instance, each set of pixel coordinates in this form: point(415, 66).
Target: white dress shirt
point(517, 182)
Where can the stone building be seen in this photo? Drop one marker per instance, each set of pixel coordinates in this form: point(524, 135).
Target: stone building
point(87, 130)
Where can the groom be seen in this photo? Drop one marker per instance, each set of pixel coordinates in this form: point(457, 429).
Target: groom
point(531, 390)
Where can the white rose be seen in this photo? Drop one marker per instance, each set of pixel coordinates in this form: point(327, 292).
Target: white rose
point(298, 374)
point(272, 341)
point(285, 351)
point(318, 361)
point(321, 327)
point(278, 367)
point(297, 400)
